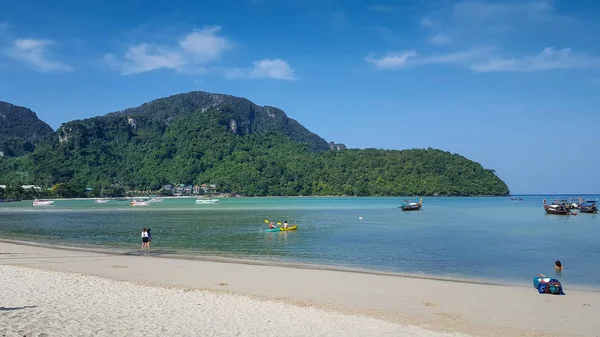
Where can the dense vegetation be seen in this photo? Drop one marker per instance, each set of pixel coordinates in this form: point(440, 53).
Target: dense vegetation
point(20, 130)
point(240, 155)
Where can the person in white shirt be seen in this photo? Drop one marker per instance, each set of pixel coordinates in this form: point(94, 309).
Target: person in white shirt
point(144, 238)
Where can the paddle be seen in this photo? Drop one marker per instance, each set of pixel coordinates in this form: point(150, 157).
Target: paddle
point(266, 221)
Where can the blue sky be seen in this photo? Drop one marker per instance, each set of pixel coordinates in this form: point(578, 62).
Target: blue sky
point(514, 85)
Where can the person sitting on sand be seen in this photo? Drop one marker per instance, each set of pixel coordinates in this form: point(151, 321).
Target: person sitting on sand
point(285, 225)
point(558, 266)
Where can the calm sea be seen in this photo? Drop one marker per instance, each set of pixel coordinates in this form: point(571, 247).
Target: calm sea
point(483, 238)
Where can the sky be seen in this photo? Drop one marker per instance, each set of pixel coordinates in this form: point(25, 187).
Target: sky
point(513, 85)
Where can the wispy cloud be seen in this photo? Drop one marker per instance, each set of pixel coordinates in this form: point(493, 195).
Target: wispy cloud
point(477, 20)
point(547, 59)
point(189, 55)
point(339, 20)
point(4, 25)
point(426, 22)
point(486, 11)
point(36, 54)
point(440, 39)
point(485, 60)
point(392, 60)
point(380, 8)
point(274, 69)
point(408, 58)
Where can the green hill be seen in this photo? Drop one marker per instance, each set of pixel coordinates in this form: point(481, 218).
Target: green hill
point(20, 130)
point(240, 147)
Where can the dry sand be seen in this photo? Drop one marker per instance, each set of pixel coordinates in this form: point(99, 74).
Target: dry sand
point(65, 292)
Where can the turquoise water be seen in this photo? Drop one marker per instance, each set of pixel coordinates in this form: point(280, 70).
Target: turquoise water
point(491, 238)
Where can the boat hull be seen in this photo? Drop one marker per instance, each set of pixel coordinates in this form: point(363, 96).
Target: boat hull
point(550, 210)
point(207, 202)
point(411, 208)
point(43, 203)
point(588, 210)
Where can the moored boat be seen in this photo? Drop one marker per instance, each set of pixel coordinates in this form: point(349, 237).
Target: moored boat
point(557, 209)
point(101, 201)
point(42, 202)
point(139, 203)
point(412, 206)
point(206, 201)
point(589, 206)
point(155, 199)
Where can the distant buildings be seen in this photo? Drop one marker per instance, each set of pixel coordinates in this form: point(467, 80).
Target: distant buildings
point(26, 187)
point(182, 189)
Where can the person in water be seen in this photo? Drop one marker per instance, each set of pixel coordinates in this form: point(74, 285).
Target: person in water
point(558, 266)
point(285, 224)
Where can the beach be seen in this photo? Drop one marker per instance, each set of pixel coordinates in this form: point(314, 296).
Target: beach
point(57, 292)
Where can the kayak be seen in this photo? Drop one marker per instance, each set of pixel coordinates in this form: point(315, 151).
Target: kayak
point(291, 228)
point(281, 229)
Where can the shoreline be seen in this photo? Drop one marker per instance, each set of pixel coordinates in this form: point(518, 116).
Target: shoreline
point(284, 197)
point(173, 254)
point(435, 305)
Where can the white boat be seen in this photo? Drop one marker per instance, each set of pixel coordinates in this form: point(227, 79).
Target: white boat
point(42, 202)
point(206, 201)
point(139, 203)
point(154, 199)
point(101, 201)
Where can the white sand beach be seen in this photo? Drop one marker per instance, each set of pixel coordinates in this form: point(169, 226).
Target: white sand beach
point(64, 292)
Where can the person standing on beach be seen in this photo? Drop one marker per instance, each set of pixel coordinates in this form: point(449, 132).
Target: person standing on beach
point(144, 238)
point(149, 239)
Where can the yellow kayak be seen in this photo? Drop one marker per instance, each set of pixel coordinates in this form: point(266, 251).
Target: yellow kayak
point(290, 228)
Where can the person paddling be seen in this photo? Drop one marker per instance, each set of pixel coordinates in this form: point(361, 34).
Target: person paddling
point(271, 225)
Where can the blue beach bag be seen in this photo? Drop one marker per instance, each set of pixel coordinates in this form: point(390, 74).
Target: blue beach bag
point(548, 285)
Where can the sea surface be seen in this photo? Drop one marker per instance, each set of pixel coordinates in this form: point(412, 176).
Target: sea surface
point(490, 238)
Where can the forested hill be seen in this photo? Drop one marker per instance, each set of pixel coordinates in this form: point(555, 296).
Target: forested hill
point(20, 129)
point(246, 117)
point(142, 150)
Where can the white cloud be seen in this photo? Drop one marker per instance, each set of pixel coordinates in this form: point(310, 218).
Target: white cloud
point(36, 54)
point(547, 59)
point(146, 57)
point(380, 8)
point(392, 60)
point(190, 55)
point(275, 69)
point(204, 44)
point(440, 39)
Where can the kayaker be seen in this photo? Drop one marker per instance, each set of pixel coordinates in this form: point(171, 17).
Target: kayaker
point(271, 225)
point(285, 224)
